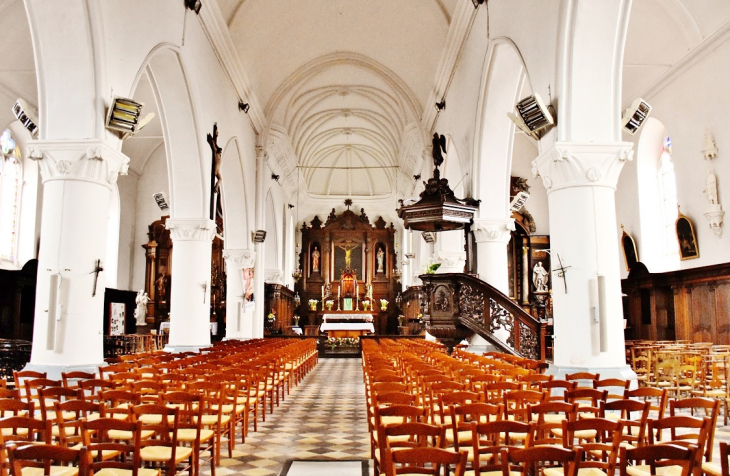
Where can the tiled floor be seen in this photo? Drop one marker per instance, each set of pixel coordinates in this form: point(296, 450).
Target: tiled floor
point(323, 418)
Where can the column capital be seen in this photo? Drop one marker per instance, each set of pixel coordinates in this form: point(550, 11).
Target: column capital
point(486, 230)
point(191, 229)
point(274, 276)
point(239, 259)
point(582, 164)
point(86, 160)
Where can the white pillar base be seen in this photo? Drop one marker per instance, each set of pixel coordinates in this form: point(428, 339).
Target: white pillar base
point(623, 372)
point(184, 348)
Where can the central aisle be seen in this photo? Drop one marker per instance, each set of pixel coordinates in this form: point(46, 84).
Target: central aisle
point(323, 418)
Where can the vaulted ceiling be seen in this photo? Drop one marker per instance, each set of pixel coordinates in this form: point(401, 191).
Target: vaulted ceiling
point(344, 84)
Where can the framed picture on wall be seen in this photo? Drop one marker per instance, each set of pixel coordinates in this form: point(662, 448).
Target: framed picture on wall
point(686, 238)
point(117, 311)
point(631, 253)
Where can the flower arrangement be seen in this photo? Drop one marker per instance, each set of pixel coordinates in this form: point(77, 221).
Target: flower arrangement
point(313, 304)
point(271, 316)
point(365, 304)
point(383, 304)
point(343, 342)
point(329, 303)
point(431, 267)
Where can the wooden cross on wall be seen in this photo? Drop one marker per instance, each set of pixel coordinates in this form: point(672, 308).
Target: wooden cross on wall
point(97, 269)
point(561, 272)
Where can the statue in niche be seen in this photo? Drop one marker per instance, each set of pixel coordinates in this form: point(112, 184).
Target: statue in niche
point(380, 257)
point(711, 188)
point(140, 312)
point(540, 278)
point(315, 260)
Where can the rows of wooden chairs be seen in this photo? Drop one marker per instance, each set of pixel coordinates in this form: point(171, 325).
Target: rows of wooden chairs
point(489, 408)
point(151, 412)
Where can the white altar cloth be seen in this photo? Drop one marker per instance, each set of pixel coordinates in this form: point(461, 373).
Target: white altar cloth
point(347, 326)
point(348, 317)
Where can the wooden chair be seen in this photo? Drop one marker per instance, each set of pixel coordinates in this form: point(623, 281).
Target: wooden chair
point(711, 408)
point(19, 378)
point(583, 379)
point(634, 417)
point(425, 461)
point(656, 458)
point(618, 385)
point(684, 431)
point(190, 427)
point(392, 415)
point(69, 416)
point(494, 392)
point(529, 460)
point(39, 459)
point(600, 450)
point(489, 439)
point(548, 419)
point(72, 379)
point(33, 385)
point(93, 387)
point(516, 403)
point(723, 469)
point(446, 400)
point(459, 436)
point(162, 448)
point(588, 400)
point(556, 389)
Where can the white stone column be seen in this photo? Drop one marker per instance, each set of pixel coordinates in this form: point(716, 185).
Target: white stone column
point(77, 176)
point(239, 314)
point(492, 237)
point(192, 240)
point(580, 179)
point(258, 316)
point(450, 251)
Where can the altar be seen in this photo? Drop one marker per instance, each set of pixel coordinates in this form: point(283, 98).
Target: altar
point(347, 329)
point(357, 317)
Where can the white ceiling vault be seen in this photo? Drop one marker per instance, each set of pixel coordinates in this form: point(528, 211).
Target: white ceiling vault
point(347, 88)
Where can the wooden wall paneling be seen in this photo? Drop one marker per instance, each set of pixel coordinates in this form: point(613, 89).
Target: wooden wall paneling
point(722, 306)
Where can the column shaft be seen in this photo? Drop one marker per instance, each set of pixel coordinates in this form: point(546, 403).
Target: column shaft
point(239, 312)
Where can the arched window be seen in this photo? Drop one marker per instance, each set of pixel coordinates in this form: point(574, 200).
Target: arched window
point(11, 175)
point(657, 199)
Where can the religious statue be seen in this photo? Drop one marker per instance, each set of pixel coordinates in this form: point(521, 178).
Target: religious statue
point(315, 260)
point(438, 144)
point(161, 287)
point(213, 142)
point(348, 254)
point(540, 278)
point(140, 312)
point(711, 188)
point(380, 255)
point(248, 283)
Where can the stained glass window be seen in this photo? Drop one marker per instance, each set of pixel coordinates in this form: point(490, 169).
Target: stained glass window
point(10, 180)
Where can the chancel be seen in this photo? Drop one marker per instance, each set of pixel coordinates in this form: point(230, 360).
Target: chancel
point(267, 206)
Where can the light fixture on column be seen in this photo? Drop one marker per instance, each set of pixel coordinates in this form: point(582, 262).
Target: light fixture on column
point(518, 201)
point(429, 237)
point(275, 177)
point(398, 299)
point(194, 5)
point(243, 106)
point(125, 116)
point(297, 275)
point(161, 201)
point(27, 115)
point(533, 117)
point(635, 115)
point(258, 236)
point(417, 177)
point(297, 301)
point(440, 106)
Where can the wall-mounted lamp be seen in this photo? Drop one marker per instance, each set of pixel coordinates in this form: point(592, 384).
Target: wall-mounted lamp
point(290, 206)
point(429, 237)
point(518, 201)
point(440, 106)
point(161, 201)
point(243, 106)
point(533, 116)
point(258, 236)
point(194, 5)
point(27, 115)
point(125, 116)
point(635, 115)
point(417, 177)
point(275, 178)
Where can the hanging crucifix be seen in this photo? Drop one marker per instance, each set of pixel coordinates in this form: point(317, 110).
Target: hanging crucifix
point(215, 173)
point(561, 272)
point(97, 269)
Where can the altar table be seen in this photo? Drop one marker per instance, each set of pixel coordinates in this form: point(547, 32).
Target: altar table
point(347, 329)
point(347, 317)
